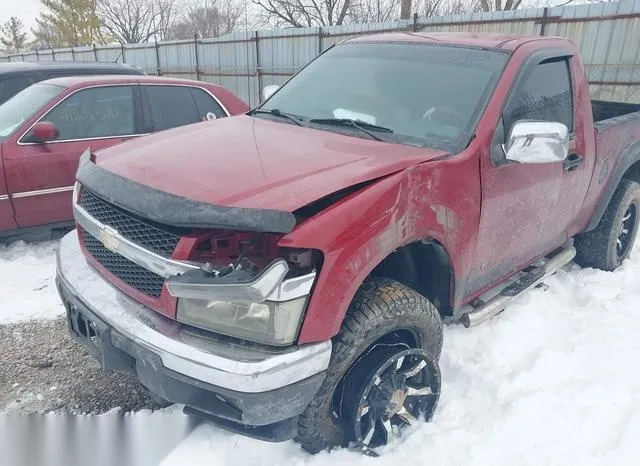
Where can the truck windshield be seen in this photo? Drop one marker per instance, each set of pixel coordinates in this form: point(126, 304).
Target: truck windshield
point(22, 106)
point(419, 94)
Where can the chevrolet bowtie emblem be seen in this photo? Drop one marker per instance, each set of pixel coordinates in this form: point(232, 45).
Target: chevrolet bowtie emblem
point(108, 238)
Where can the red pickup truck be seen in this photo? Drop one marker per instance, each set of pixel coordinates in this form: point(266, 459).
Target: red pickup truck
point(286, 273)
point(46, 127)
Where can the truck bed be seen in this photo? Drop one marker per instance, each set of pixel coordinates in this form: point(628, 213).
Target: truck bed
point(605, 111)
point(615, 136)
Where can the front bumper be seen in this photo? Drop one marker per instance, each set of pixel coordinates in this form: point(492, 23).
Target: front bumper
point(243, 386)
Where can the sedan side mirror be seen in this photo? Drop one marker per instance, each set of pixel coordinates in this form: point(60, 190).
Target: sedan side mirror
point(537, 142)
point(268, 91)
point(44, 131)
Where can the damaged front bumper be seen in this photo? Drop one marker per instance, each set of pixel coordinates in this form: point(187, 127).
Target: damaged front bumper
point(252, 389)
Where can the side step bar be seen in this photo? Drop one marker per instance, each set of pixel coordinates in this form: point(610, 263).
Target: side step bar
point(485, 311)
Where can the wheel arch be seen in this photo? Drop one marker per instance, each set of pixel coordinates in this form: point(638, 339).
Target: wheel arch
point(424, 266)
point(627, 167)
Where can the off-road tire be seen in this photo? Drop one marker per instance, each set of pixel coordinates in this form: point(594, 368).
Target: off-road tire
point(381, 306)
point(597, 248)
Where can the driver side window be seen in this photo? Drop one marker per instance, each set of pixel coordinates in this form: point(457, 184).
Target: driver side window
point(546, 95)
point(95, 113)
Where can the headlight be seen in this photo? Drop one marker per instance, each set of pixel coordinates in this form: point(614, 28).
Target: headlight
point(268, 322)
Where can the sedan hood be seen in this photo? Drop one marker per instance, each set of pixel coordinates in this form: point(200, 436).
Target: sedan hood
point(250, 162)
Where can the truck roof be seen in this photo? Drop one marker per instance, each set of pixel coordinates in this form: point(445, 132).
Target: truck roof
point(80, 81)
point(469, 39)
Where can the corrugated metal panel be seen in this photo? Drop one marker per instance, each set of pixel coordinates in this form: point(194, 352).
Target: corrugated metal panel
point(142, 55)
point(177, 58)
point(110, 54)
point(608, 35)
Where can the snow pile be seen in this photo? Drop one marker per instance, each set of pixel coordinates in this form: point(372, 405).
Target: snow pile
point(552, 380)
point(28, 286)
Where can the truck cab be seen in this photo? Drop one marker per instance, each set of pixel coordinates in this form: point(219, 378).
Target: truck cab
point(288, 272)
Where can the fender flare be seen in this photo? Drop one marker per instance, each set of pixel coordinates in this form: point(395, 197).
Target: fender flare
point(630, 156)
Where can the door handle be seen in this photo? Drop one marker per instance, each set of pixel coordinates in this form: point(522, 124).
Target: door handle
point(572, 162)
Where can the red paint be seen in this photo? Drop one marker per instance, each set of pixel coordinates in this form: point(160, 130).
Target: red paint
point(491, 220)
point(251, 165)
point(36, 167)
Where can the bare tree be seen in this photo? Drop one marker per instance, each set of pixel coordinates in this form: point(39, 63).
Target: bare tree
point(374, 11)
point(306, 13)
point(499, 5)
point(405, 9)
point(165, 13)
point(128, 21)
point(207, 18)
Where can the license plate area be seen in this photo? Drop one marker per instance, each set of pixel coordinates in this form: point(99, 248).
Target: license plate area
point(95, 336)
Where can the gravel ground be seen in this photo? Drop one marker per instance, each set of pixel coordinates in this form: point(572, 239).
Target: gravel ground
point(42, 370)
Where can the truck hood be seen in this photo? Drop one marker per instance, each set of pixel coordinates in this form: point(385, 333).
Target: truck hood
point(250, 162)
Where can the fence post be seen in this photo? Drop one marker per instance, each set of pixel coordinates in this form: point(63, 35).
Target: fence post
point(95, 53)
point(73, 54)
point(157, 58)
point(320, 45)
point(258, 73)
point(195, 47)
point(37, 55)
point(122, 53)
point(415, 22)
point(543, 21)
point(53, 54)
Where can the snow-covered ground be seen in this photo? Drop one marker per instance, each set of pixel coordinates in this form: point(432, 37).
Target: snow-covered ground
point(552, 380)
point(27, 282)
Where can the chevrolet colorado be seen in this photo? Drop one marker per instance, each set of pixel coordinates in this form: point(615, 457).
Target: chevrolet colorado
point(286, 273)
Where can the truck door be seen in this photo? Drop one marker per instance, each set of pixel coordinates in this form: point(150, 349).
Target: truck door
point(526, 208)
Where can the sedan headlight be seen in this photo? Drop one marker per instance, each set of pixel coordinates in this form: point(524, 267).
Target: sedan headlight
point(268, 322)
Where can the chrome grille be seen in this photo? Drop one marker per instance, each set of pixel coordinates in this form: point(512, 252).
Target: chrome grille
point(161, 240)
point(132, 274)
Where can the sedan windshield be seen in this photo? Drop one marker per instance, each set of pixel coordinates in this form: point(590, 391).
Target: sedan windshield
point(418, 94)
point(22, 106)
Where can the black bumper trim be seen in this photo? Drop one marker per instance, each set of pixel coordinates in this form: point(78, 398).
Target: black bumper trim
point(270, 416)
point(177, 211)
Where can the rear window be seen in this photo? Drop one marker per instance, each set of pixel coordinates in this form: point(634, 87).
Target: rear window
point(11, 85)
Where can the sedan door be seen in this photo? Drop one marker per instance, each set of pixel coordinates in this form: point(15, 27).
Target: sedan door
point(172, 105)
point(40, 176)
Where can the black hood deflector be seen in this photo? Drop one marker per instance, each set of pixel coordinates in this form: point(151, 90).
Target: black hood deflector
point(170, 209)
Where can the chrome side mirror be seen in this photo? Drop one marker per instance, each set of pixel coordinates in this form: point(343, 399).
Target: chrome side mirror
point(537, 142)
point(268, 91)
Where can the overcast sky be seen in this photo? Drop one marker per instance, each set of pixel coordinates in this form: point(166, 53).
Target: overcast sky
point(26, 10)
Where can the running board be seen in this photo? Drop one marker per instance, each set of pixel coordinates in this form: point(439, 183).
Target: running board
point(474, 315)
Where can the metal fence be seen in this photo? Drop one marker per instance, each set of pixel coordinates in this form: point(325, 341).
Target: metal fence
point(608, 35)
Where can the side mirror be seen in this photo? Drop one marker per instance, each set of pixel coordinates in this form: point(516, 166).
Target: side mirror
point(537, 142)
point(44, 131)
point(268, 91)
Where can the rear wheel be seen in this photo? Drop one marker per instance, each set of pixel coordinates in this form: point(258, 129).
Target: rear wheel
point(610, 243)
point(383, 375)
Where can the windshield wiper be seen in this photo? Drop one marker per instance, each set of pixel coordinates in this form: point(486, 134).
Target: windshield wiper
point(277, 113)
point(363, 126)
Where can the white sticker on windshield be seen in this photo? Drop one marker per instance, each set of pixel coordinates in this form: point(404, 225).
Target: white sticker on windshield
point(351, 115)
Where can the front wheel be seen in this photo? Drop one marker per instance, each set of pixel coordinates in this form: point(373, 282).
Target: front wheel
point(611, 242)
point(383, 375)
